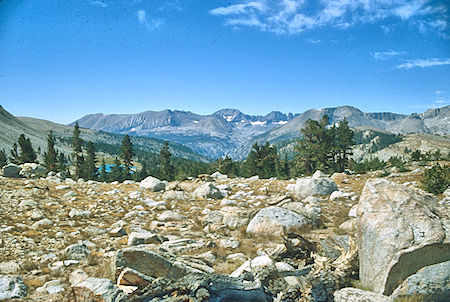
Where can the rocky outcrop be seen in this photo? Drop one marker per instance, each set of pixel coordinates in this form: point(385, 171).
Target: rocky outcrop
point(399, 232)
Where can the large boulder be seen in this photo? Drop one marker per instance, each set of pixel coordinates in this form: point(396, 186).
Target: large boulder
point(153, 184)
point(32, 170)
point(431, 283)
point(275, 221)
point(12, 287)
point(96, 289)
point(207, 190)
point(11, 170)
point(400, 231)
point(305, 187)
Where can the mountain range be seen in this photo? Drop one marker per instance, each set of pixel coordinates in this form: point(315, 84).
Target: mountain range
point(231, 132)
point(37, 130)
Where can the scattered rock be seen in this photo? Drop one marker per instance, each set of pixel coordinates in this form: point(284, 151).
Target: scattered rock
point(32, 170)
point(51, 287)
point(138, 238)
point(77, 251)
point(170, 216)
point(77, 276)
point(358, 295)
point(12, 287)
point(174, 195)
point(96, 289)
point(76, 213)
point(42, 224)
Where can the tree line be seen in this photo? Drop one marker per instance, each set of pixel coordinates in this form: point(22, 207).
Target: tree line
point(322, 146)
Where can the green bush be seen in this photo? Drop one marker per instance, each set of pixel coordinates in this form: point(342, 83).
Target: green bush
point(437, 179)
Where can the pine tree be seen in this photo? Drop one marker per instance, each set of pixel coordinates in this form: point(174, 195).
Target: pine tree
point(343, 142)
point(126, 154)
point(103, 173)
point(90, 171)
point(261, 161)
point(27, 154)
point(167, 171)
point(143, 172)
point(62, 165)
point(50, 157)
point(14, 155)
point(77, 143)
point(117, 171)
point(2, 158)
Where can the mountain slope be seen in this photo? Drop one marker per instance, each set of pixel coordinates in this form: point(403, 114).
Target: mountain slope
point(212, 135)
point(37, 130)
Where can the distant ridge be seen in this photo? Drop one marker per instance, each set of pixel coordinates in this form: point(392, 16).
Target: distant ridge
point(229, 131)
point(37, 130)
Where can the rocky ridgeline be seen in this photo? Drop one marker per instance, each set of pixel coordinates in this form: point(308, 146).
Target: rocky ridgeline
point(220, 239)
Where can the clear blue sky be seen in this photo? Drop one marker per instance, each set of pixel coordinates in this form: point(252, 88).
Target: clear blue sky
point(60, 60)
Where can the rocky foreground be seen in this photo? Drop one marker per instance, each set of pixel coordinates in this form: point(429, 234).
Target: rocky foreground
point(341, 238)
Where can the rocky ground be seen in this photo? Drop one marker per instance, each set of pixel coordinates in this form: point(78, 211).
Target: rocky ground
point(220, 239)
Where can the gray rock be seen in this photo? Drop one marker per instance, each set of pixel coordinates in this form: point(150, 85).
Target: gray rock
point(174, 195)
point(96, 289)
point(77, 251)
point(274, 221)
point(27, 203)
point(399, 232)
point(77, 276)
point(132, 277)
point(153, 184)
point(12, 287)
point(32, 170)
point(207, 190)
point(51, 287)
point(305, 187)
point(431, 283)
point(170, 216)
point(350, 294)
point(9, 267)
point(138, 238)
point(77, 213)
point(11, 170)
point(150, 263)
point(319, 174)
point(42, 224)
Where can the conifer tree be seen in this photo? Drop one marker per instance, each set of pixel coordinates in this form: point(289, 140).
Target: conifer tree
point(27, 154)
point(143, 172)
point(167, 171)
point(77, 143)
point(50, 156)
point(90, 171)
point(126, 154)
point(2, 158)
point(343, 138)
point(14, 155)
point(103, 173)
point(62, 165)
point(117, 171)
point(261, 161)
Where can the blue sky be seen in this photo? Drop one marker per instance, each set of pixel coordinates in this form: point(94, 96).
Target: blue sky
point(60, 60)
